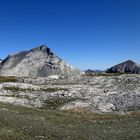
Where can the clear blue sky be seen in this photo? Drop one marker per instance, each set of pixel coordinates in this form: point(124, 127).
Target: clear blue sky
point(92, 34)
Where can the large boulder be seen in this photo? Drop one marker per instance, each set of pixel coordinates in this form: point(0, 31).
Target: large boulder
point(37, 62)
point(125, 67)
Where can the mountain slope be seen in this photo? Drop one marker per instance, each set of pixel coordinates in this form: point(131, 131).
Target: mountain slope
point(126, 67)
point(0, 62)
point(37, 62)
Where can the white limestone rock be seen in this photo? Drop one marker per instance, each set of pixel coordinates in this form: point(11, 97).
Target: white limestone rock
point(37, 62)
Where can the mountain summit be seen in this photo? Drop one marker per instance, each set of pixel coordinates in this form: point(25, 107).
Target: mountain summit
point(126, 67)
point(37, 62)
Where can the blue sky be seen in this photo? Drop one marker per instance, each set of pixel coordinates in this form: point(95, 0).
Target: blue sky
point(93, 34)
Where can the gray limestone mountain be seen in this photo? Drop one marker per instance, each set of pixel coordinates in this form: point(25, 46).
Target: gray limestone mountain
point(0, 62)
point(37, 62)
point(126, 67)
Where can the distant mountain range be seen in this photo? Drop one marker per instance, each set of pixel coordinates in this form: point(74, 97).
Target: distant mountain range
point(37, 62)
point(93, 71)
point(126, 67)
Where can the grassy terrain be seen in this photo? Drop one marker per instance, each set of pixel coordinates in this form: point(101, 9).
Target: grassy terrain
point(56, 102)
point(17, 89)
point(7, 79)
point(21, 123)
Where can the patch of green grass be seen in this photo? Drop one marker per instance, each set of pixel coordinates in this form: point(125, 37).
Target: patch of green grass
point(13, 89)
point(7, 79)
point(20, 96)
point(22, 123)
point(17, 89)
point(56, 102)
point(55, 89)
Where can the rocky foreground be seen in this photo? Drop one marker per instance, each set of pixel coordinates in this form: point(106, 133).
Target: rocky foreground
point(97, 94)
point(85, 107)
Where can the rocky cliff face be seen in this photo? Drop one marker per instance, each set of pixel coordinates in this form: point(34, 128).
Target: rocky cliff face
point(0, 62)
point(37, 62)
point(125, 67)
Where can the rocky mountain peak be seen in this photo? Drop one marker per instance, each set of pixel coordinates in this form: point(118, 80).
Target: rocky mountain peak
point(42, 48)
point(129, 62)
point(128, 66)
point(37, 62)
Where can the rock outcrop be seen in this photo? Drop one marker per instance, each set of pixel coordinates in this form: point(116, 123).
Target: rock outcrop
point(0, 62)
point(37, 62)
point(125, 67)
point(101, 94)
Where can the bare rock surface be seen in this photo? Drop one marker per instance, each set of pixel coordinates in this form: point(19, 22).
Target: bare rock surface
point(0, 63)
point(125, 67)
point(101, 94)
point(37, 62)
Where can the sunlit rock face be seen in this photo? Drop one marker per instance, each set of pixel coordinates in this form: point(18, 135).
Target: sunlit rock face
point(37, 62)
point(0, 62)
point(125, 67)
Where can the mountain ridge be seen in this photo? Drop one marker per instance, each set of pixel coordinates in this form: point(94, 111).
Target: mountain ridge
point(37, 62)
point(128, 66)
